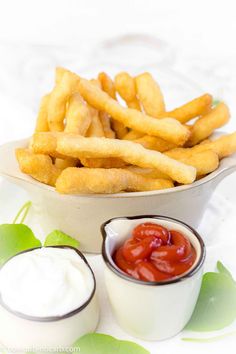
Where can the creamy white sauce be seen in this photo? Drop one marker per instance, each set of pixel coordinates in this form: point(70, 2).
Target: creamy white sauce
point(46, 282)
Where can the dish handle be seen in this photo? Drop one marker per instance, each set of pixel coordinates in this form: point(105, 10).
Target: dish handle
point(227, 167)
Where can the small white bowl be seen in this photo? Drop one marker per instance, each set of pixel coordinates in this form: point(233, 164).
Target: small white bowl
point(81, 215)
point(151, 310)
point(24, 332)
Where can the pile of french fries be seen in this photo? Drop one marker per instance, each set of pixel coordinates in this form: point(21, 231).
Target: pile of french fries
point(109, 136)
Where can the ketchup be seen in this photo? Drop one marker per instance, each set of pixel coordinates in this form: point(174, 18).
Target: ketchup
point(154, 253)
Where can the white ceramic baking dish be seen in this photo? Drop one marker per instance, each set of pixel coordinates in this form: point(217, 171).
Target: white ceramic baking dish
point(81, 216)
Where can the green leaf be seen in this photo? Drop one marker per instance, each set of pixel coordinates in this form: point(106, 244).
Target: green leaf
point(222, 269)
point(59, 238)
point(216, 305)
point(210, 339)
point(15, 238)
point(96, 343)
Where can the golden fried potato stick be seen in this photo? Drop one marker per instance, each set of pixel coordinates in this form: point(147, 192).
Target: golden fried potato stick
point(223, 147)
point(58, 100)
point(107, 84)
point(206, 124)
point(147, 172)
point(130, 152)
point(168, 129)
point(150, 95)
point(78, 115)
point(154, 143)
point(103, 116)
point(89, 181)
point(46, 144)
point(59, 72)
point(195, 108)
point(132, 135)
point(40, 167)
point(111, 162)
point(204, 162)
point(106, 125)
point(64, 163)
point(206, 141)
point(42, 119)
point(125, 86)
point(109, 87)
point(95, 128)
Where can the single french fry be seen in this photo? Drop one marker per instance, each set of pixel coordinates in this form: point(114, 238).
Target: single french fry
point(206, 141)
point(147, 172)
point(106, 125)
point(95, 128)
point(206, 124)
point(109, 87)
point(88, 180)
point(78, 115)
point(58, 100)
point(59, 72)
point(204, 162)
point(150, 95)
point(40, 167)
point(168, 129)
point(195, 108)
point(111, 162)
point(64, 163)
point(154, 143)
point(125, 86)
point(42, 119)
point(46, 144)
point(119, 128)
point(130, 152)
point(223, 146)
point(107, 84)
point(96, 83)
point(132, 135)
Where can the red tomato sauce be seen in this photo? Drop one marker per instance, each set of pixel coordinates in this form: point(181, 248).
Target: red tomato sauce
point(154, 253)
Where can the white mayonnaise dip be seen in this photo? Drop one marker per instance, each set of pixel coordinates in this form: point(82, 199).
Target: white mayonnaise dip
point(46, 282)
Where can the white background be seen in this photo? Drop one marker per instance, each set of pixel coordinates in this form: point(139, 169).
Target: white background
point(194, 38)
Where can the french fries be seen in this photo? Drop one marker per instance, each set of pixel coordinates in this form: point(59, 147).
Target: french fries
point(168, 129)
point(109, 87)
point(86, 141)
point(96, 128)
point(130, 152)
point(42, 119)
point(223, 147)
point(204, 161)
point(106, 125)
point(147, 172)
point(40, 167)
point(78, 116)
point(150, 95)
point(125, 85)
point(58, 100)
point(195, 108)
point(95, 180)
point(206, 124)
point(154, 143)
point(111, 162)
